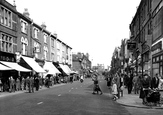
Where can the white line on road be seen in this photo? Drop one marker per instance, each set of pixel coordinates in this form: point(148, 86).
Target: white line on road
point(59, 95)
point(39, 103)
point(72, 88)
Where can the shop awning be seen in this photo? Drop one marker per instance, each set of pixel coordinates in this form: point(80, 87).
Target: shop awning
point(33, 64)
point(2, 67)
point(51, 69)
point(15, 66)
point(68, 69)
point(64, 69)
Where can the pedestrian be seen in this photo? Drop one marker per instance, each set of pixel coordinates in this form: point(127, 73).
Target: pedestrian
point(17, 84)
point(71, 78)
point(22, 83)
point(31, 84)
point(121, 80)
point(155, 81)
point(114, 90)
point(1, 88)
point(37, 83)
point(145, 86)
point(135, 84)
point(96, 87)
point(12, 84)
point(129, 83)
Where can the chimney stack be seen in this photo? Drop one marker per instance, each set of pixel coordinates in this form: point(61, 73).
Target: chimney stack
point(26, 13)
point(43, 25)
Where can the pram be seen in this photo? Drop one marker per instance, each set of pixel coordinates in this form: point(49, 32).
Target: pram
point(153, 96)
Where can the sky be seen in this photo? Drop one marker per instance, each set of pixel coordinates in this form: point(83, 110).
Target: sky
point(89, 26)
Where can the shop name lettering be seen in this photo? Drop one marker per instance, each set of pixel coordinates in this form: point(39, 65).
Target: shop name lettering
point(5, 58)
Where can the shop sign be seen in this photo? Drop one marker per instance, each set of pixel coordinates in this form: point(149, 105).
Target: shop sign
point(131, 45)
point(156, 48)
point(7, 57)
point(145, 48)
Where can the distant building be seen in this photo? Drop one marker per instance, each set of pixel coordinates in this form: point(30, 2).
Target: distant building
point(81, 63)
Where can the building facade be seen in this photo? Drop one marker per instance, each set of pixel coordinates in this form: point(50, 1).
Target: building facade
point(20, 35)
point(141, 29)
point(8, 31)
point(81, 63)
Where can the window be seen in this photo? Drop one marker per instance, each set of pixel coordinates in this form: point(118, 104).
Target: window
point(45, 52)
point(36, 31)
point(5, 17)
point(52, 42)
point(58, 58)
point(45, 38)
point(24, 26)
point(52, 56)
point(45, 55)
point(7, 44)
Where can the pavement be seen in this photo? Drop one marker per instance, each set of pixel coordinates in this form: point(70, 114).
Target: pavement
point(133, 100)
point(5, 94)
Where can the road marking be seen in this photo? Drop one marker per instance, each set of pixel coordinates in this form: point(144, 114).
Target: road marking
point(69, 90)
point(59, 95)
point(72, 88)
point(76, 88)
point(39, 103)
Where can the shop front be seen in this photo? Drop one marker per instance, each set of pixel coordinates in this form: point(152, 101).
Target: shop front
point(157, 58)
point(9, 67)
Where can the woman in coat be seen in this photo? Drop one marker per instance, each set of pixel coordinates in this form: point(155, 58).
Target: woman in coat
point(145, 86)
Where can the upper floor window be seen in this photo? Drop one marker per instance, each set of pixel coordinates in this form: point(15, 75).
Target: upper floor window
point(24, 26)
point(45, 38)
point(7, 43)
point(36, 31)
point(5, 17)
point(52, 42)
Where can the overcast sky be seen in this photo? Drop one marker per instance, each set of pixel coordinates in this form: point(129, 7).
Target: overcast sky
point(93, 26)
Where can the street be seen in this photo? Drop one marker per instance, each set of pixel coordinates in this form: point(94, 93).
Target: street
point(68, 99)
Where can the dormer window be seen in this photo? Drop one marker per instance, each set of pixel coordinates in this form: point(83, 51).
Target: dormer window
point(36, 31)
point(24, 26)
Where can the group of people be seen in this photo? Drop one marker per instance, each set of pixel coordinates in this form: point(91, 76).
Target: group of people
point(136, 83)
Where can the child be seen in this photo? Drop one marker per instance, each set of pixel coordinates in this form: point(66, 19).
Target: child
point(114, 91)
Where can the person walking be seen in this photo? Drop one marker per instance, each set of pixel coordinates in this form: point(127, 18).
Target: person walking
point(37, 83)
point(31, 84)
point(129, 83)
point(96, 87)
point(12, 84)
point(135, 84)
point(145, 86)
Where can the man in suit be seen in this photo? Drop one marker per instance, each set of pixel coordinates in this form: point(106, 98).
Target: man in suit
point(155, 82)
